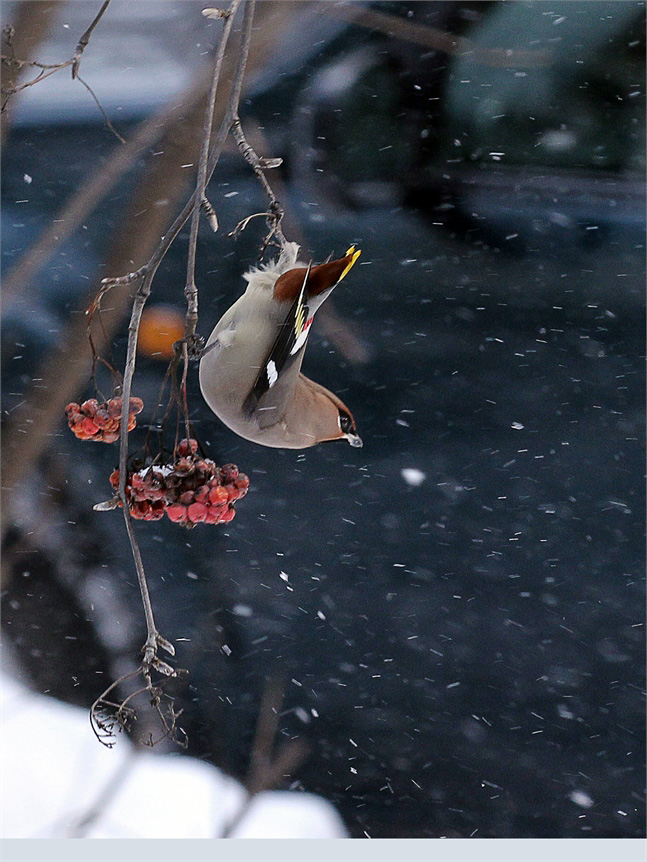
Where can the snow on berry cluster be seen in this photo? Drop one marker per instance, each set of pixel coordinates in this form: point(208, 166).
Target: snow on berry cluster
point(192, 490)
point(101, 422)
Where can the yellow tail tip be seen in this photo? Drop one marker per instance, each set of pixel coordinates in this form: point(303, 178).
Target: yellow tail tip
point(353, 255)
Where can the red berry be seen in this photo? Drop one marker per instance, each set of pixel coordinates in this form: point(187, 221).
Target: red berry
point(135, 405)
point(197, 512)
point(101, 417)
point(229, 472)
point(232, 493)
point(188, 446)
point(157, 510)
point(202, 494)
point(220, 510)
point(228, 516)
point(213, 515)
point(176, 512)
point(114, 408)
point(218, 495)
point(183, 465)
point(140, 509)
point(89, 407)
point(88, 427)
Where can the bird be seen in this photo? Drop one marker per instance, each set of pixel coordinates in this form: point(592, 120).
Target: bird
point(250, 369)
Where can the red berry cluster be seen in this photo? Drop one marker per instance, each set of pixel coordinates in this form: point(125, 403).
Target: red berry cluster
point(101, 422)
point(192, 490)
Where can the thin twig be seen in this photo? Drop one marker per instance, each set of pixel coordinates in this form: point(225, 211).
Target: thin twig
point(109, 715)
point(45, 73)
point(100, 107)
point(21, 64)
point(85, 38)
point(153, 640)
point(231, 122)
point(50, 69)
point(240, 227)
point(190, 289)
point(185, 403)
point(260, 165)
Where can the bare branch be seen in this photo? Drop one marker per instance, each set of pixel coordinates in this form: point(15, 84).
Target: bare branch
point(153, 638)
point(260, 165)
point(45, 73)
point(85, 38)
point(10, 89)
point(100, 107)
point(240, 227)
point(190, 290)
point(51, 68)
point(109, 715)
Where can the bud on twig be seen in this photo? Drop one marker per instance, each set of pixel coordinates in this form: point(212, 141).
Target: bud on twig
point(215, 13)
point(266, 164)
point(107, 505)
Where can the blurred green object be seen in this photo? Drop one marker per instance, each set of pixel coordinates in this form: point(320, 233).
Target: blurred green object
point(583, 108)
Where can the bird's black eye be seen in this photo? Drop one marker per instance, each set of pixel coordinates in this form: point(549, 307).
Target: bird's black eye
point(346, 422)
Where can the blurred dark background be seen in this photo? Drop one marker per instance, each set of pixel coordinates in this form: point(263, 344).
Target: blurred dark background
point(456, 611)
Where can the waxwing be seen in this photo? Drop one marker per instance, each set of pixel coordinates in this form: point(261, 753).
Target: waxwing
point(250, 371)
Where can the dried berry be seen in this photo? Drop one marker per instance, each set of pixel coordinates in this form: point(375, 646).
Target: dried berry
point(101, 422)
point(191, 490)
point(187, 447)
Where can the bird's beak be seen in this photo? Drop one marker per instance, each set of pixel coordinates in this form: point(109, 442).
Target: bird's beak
point(355, 440)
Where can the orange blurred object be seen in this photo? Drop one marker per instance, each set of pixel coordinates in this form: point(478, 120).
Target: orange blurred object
point(161, 326)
